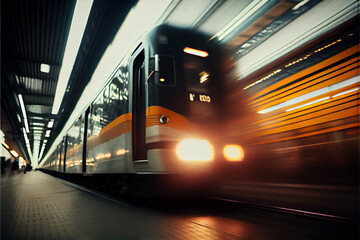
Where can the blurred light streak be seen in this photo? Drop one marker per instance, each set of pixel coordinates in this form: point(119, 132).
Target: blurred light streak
point(263, 79)
point(99, 156)
point(121, 152)
point(345, 92)
point(313, 94)
point(309, 103)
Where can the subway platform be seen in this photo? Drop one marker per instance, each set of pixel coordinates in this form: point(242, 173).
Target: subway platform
point(38, 206)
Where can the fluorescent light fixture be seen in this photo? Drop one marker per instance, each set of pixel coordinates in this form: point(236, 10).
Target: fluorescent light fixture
point(345, 92)
point(5, 145)
point(14, 153)
point(41, 153)
point(300, 4)
point(50, 123)
point(78, 24)
point(195, 52)
point(24, 112)
point(313, 94)
point(38, 124)
point(309, 103)
point(240, 18)
point(45, 68)
point(47, 134)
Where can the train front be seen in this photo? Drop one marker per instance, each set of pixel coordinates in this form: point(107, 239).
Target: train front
point(186, 111)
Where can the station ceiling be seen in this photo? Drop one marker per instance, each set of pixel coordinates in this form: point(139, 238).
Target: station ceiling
point(35, 32)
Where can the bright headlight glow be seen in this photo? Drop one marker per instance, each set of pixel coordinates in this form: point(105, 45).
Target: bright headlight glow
point(233, 153)
point(195, 150)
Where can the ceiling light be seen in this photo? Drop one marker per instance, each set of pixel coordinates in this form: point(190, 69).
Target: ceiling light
point(297, 6)
point(5, 145)
point(45, 68)
point(14, 153)
point(50, 123)
point(19, 118)
point(24, 113)
point(47, 133)
point(38, 124)
point(78, 24)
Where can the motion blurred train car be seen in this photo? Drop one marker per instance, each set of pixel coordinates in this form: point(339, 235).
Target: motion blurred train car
point(160, 113)
point(303, 113)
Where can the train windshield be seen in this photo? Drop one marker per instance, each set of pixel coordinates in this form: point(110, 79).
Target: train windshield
point(198, 77)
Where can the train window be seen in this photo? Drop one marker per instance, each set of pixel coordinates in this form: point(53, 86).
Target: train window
point(74, 142)
point(167, 71)
point(118, 96)
point(95, 123)
point(196, 74)
point(198, 79)
point(104, 119)
point(110, 104)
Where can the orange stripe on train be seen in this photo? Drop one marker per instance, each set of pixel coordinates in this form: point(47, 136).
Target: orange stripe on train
point(123, 124)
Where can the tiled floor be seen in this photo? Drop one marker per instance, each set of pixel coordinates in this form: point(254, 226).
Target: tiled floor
point(39, 206)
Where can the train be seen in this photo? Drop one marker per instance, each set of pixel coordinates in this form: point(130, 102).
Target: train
point(302, 114)
point(160, 114)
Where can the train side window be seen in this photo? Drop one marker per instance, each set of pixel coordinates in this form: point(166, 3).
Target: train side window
point(118, 96)
point(96, 115)
point(76, 133)
point(111, 103)
point(167, 71)
point(104, 120)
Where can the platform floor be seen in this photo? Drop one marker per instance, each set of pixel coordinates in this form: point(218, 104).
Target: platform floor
point(38, 206)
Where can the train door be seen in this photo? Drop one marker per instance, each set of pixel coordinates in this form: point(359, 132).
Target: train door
point(138, 106)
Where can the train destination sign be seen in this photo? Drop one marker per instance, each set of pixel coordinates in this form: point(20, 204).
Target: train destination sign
point(199, 97)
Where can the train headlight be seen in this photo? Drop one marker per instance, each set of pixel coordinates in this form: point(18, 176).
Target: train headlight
point(195, 150)
point(233, 153)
